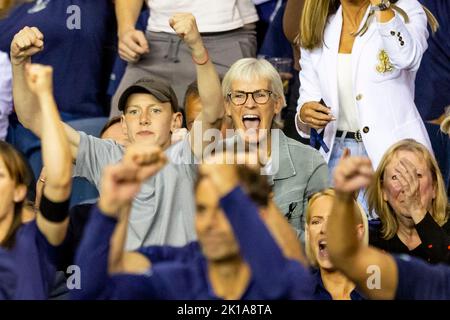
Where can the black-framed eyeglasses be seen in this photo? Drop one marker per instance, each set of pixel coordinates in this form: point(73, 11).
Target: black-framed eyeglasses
point(238, 98)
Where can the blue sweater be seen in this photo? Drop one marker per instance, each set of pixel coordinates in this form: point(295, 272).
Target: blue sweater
point(418, 280)
point(181, 273)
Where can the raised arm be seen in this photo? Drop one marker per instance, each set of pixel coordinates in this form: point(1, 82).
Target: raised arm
point(53, 219)
point(25, 44)
point(101, 250)
point(268, 264)
point(374, 272)
point(209, 86)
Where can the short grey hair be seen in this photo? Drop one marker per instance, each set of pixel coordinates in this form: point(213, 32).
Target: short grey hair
point(249, 69)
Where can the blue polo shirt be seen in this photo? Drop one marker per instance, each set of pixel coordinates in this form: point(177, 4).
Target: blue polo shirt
point(418, 280)
point(79, 37)
point(182, 273)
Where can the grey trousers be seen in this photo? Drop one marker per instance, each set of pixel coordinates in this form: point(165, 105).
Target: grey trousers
point(170, 59)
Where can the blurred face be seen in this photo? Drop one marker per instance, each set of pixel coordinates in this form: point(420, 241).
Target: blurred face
point(252, 117)
point(116, 133)
point(146, 119)
point(317, 232)
point(392, 189)
point(214, 232)
point(9, 192)
point(193, 109)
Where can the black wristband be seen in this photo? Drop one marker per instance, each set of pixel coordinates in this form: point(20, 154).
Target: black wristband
point(54, 211)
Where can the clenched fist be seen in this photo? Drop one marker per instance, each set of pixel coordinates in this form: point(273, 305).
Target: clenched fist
point(39, 78)
point(132, 45)
point(352, 174)
point(185, 26)
point(25, 44)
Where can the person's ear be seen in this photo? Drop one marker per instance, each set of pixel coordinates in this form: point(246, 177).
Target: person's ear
point(20, 192)
point(124, 125)
point(228, 107)
point(278, 105)
point(177, 121)
point(360, 231)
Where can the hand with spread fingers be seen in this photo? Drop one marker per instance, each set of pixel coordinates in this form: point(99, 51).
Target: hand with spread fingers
point(26, 43)
point(408, 179)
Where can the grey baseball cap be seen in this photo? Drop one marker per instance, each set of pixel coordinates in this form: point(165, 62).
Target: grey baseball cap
point(159, 89)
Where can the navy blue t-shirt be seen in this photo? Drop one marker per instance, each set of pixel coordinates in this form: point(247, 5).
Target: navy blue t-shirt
point(7, 276)
point(34, 262)
point(432, 93)
point(81, 51)
point(418, 280)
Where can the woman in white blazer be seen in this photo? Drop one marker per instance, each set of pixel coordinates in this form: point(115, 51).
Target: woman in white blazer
point(359, 59)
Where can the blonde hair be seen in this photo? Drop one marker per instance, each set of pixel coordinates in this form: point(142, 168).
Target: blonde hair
point(316, 13)
point(374, 193)
point(250, 69)
point(330, 193)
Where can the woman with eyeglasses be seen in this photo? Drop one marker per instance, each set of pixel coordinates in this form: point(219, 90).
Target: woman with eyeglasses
point(359, 59)
point(253, 93)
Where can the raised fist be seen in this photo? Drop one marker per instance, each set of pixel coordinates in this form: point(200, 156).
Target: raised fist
point(352, 174)
point(39, 78)
point(185, 26)
point(25, 44)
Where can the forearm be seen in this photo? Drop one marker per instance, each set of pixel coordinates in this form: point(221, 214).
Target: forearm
point(291, 19)
point(92, 256)
point(25, 102)
point(343, 243)
point(209, 88)
point(404, 42)
point(267, 265)
point(56, 153)
point(127, 13)
point(116, 255)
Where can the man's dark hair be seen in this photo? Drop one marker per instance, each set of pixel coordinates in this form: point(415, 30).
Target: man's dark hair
point(254, 184)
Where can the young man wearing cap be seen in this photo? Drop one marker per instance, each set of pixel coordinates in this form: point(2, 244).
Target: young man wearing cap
point(162, 212)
